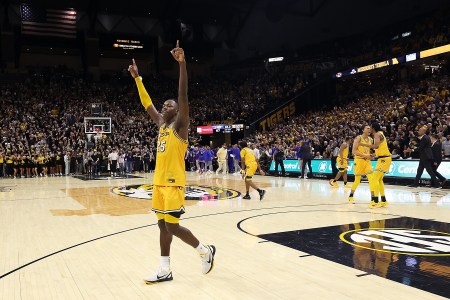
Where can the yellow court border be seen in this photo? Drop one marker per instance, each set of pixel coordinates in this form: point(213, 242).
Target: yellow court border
point(341, 237)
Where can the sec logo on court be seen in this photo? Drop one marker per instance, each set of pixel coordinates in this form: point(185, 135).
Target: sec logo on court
point(400, 241)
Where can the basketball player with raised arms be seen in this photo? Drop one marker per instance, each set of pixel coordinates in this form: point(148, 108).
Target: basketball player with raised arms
point(170, 177)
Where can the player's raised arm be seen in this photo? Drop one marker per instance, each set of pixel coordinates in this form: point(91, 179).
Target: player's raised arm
point(145, 98)
point(182, 121)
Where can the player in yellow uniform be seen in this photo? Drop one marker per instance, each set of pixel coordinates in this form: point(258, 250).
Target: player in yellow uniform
point(362, 165)
point(2, 161)
point(249, 166)
point(41, 164)
point(9, 164)
point(170, 177)
point(16, 165)
point(342, 162)
point(384, 159)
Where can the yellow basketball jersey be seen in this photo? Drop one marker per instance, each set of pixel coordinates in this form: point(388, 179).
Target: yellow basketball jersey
point(383, 149)
point(170, 167)
point(345, 152)
point(248, 156)
point(364, 149)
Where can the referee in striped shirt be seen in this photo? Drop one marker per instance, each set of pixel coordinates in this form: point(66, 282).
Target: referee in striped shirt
point(334, 157)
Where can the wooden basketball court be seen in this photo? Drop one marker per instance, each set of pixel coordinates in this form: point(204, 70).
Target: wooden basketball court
point(68, 238)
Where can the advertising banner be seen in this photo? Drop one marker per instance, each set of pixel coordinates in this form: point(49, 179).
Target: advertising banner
point(399, 168)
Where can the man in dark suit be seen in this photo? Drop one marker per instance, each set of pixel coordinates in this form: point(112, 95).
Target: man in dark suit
point(426, 158)
point(305, 151)
point(278, 157)
point(436, 147)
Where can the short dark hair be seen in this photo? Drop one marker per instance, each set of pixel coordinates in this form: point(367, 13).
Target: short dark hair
point(364, 127)
point(348, 138)
point(435, 136)
point(376, 126)
point(243, 144)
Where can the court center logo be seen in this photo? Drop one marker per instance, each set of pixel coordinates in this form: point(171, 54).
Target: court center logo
point(192, 192)
point(400, 241)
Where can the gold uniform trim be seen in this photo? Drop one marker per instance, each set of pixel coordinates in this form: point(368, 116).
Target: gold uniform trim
point(178, 137)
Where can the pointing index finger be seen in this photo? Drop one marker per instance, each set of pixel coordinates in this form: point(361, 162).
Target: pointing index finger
point(134, 63)
point(178, 43)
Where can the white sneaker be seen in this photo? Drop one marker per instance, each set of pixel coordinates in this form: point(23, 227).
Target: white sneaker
point(159, 276)
point(208, 259)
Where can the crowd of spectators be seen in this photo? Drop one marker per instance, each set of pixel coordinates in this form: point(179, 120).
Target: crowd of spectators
point(43, 116)
point(43, 133)
point(42, 126)
point(401, 110)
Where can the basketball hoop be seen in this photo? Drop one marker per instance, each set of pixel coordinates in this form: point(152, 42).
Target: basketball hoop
point(97, 125)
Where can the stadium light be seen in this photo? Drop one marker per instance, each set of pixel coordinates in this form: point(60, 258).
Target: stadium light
point(273, 59)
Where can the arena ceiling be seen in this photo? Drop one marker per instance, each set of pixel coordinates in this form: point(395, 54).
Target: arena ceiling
point(243, 25)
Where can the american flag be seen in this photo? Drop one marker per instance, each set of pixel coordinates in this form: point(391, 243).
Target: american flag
point(50, 22)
